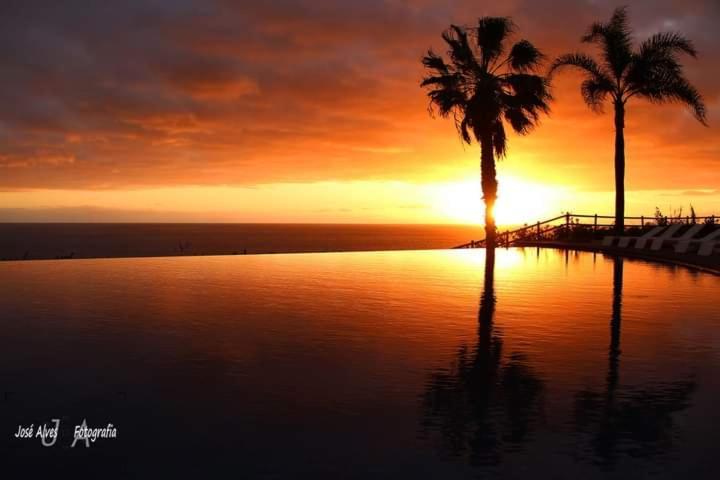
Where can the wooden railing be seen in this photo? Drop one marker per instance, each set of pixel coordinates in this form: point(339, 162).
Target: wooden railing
point(592, 224)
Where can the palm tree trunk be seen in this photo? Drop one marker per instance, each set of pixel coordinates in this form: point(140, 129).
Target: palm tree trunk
point(489, 187)
point(619, 166)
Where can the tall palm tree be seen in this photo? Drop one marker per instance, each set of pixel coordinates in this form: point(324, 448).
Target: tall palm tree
point(652, 72)
point(482, 88)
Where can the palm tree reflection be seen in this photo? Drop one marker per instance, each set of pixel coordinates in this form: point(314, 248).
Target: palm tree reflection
point(634, 421)
point(489, 403)
point(483, 406)
point(615, 320)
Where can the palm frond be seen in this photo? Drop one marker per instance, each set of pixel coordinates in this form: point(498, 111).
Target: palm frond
point(499, 139)
point(651, 71)
point(526, 83)
point(657, 75)
point(594, 93)
point(580, 61)
point(449, 80)
point(491, 33)
point(676, 88)
point(462, 127)
point(528, 92)
point(435, 62)
point(657, 60)
point(525, 99)
point(461, 54)
point(445, 82)
point(524, 56)
point(618, 24)
point(519, 120)
point(615, 40)
point(598, 82)
point(683, 91)
point(667, 43)
point(446, 100)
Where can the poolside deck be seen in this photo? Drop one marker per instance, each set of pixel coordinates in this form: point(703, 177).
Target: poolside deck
point(596, 233)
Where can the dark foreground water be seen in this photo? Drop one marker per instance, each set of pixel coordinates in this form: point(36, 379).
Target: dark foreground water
point(423, 364)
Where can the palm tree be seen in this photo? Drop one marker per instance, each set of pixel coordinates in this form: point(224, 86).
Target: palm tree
point(482, 88)
point(652, 72)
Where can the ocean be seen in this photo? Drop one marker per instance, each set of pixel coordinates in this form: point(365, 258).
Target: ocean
point(37, 241)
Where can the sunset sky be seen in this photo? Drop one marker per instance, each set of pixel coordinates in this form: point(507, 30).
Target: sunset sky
point(311, 111)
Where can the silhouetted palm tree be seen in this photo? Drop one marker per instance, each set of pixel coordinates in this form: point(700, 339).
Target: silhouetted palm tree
point(652, 71)
point(481, 88)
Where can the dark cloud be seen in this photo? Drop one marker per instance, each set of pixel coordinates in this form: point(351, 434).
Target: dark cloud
point(137, 93)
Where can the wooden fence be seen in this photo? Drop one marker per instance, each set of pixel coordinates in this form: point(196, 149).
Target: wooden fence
point(591, 224)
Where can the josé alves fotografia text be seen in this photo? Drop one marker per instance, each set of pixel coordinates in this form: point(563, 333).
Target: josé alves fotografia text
point(48, 435)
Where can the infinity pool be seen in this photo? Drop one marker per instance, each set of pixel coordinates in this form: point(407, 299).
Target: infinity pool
point(423, 364)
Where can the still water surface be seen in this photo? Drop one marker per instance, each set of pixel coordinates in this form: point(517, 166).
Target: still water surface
point(423, 364)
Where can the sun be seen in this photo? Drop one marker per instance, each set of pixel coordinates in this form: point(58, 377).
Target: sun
point(519, 201)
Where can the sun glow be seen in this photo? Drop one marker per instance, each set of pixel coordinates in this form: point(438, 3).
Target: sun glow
point(519, 201)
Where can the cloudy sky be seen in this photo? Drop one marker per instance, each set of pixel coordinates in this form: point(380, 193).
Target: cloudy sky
point(311, 111)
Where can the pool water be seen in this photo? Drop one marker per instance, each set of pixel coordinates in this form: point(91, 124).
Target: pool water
point(422, 364)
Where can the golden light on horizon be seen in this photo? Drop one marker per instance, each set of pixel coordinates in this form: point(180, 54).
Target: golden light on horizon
point(519, 201)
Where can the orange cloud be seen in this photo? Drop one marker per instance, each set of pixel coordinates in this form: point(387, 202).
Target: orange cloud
point(185, 93)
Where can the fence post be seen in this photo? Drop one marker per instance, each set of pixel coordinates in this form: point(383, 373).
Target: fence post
point(538, 231)
point(567, 224)
point(642, 220)
point(595, 224)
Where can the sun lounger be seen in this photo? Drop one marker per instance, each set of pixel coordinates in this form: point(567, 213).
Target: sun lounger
point(658, 242)
point(708, 243)
point(671, 230)
point(642, 239)
point(683, 242)
point(655, 233)
point(608, 239)
point(707, 248)
point(624, 241)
